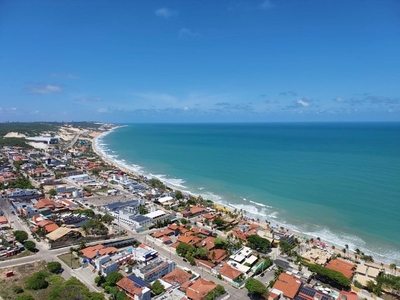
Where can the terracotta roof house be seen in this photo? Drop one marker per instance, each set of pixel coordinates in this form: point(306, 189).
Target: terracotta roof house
point(201, 231)
point(177, 277)
point(217, 255)
point(134, 287)
point(97, 250)
point(48, 225)
point(240, 234)
point(166, 232)
point(204, 264)
point(229, 273)
point(207, 243)
point(209, 217)
point(342, 266)
point(195, 210)
point(288, 284)
point(45, 203)
point(199, 289)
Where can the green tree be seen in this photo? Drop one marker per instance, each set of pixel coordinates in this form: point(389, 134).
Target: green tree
point(37, 281)
point(21, 236)
point(29, 245)
point(285, 246)
point(113, 278)
point(183, 249)
point(219, 222)
point(184, 221)
point(52, 192)
point(157, 287)
point(220, 243)
point(178, 195)
point(201, 253)
point(255, 286)
point(258, 243)
point(143, 210)
point(54, 267)
point(107, 218)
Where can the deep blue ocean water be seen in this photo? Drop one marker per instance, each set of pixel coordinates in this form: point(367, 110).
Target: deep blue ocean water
point(336, 181)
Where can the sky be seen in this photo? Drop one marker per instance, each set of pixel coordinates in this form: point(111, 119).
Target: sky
point(133, 61)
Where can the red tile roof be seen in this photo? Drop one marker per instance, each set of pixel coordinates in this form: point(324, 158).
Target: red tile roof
point(229, 272)
point(177, 276)
point(342, 266)
point(207, 243)
point(288, 284)
point(220, 255)
point(129, 286)
point(199, 289)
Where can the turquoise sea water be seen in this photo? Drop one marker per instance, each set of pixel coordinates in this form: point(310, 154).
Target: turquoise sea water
point(339, 182)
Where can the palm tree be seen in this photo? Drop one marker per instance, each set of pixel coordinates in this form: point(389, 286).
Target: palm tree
point(71, 250)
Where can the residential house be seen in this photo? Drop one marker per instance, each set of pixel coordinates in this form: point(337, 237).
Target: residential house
point(230, 274)
point(199, 289)
point(288, 284)
point(135, 288)
point(177, 277)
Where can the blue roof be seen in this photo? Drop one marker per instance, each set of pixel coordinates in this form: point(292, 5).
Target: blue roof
point(139, 218)
point(139, 282)
point(119, 204)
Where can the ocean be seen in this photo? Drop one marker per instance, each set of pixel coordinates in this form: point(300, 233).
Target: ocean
point(336, 181)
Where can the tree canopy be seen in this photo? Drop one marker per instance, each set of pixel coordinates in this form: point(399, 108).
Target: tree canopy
point(255, 286)
point(54, 266)
point(334, 276)
point(184, 249)
point(37, 281)
point(157, 287)
point(258, 243)
point(21, 236)
point(29, 245)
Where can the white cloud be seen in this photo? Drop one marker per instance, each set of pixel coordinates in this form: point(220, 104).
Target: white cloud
point(184, 32)
point(88, 99)
point(103, 110)
point(45, 89)
point(302, 103)
point(165, 13)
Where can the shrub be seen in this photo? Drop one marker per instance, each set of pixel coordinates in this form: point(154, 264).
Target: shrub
point(54, 267)
point(37, 281)
point(18, 290)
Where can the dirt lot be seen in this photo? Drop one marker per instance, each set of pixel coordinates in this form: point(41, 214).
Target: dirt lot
point(20, 273)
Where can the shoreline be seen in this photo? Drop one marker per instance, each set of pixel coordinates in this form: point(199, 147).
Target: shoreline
point(336, 248)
